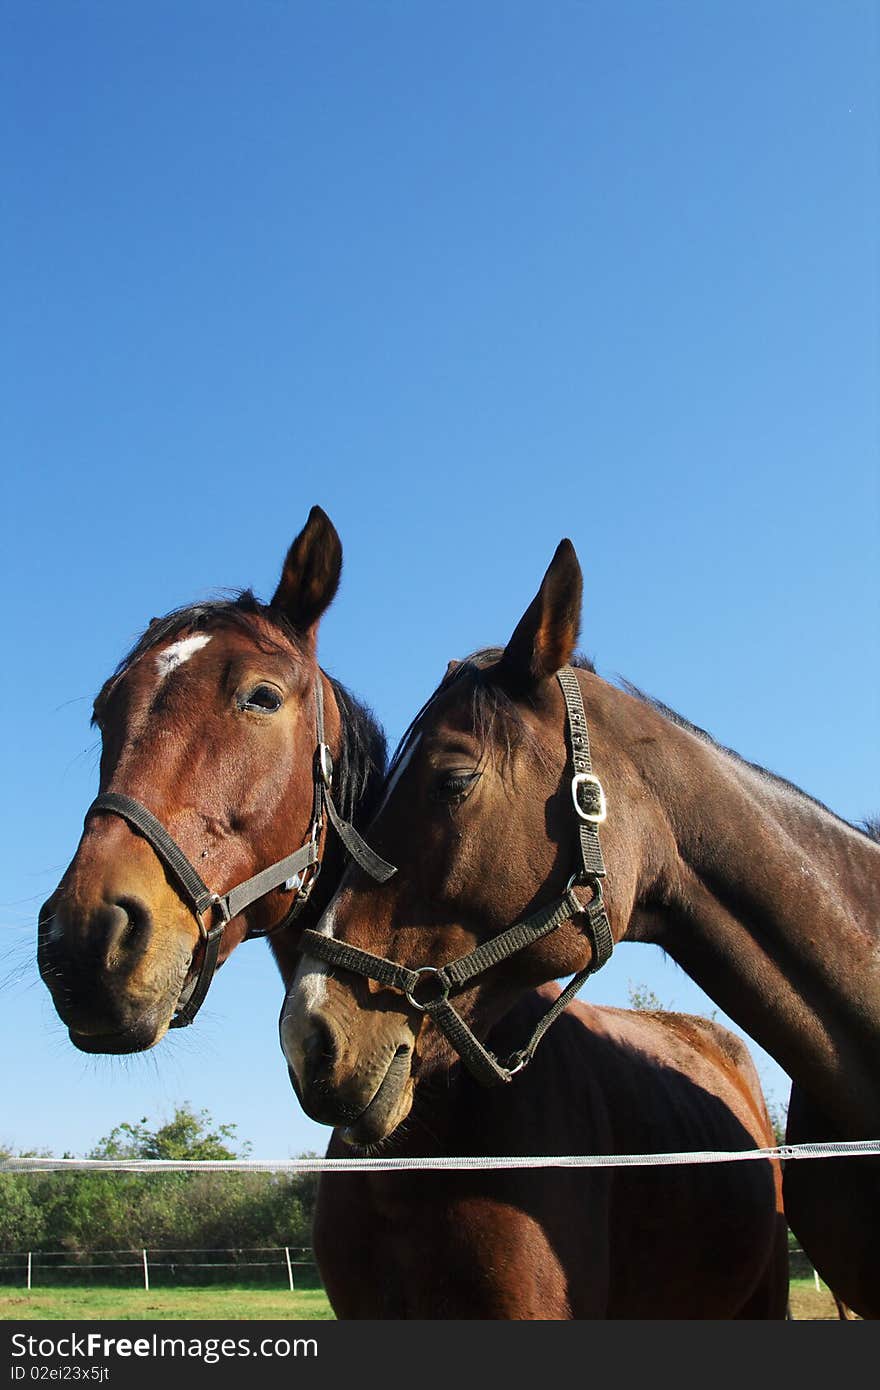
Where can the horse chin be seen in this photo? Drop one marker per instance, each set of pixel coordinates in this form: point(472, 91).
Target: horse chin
point(116, 1044)
point(389, 1107)
point(139, 1035)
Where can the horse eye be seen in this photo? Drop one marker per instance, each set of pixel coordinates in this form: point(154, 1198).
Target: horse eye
point(454, 786)
point(265, 698)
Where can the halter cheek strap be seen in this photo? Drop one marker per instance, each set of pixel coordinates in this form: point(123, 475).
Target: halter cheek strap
point(588, 799)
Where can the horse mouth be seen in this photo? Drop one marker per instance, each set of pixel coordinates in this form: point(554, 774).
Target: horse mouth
point(117, 1043)
point(386, 1110)
point(129, 1035)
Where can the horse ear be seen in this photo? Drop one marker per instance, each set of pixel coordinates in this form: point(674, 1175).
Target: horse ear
point(310, 576)
point(546, 634)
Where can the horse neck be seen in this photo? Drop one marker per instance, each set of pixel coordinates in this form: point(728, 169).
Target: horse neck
point(769, 902)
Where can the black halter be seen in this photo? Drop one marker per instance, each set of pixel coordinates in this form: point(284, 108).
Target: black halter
point(298, 871)
point(589, 803)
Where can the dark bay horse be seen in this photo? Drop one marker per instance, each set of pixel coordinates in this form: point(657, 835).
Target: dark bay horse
point(212, 818)
point(767, 899)
point(664, 1242)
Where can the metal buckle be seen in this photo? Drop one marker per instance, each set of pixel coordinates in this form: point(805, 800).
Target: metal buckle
point(589, 779)
point(324, 765)
point(428, 970)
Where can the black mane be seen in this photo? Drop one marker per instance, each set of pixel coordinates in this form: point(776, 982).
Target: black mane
point(360, 767)
point(869, 827)
point(496, 716)
point(360, 770)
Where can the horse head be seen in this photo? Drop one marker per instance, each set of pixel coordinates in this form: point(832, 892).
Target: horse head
point(208, 726)
point(478, 815)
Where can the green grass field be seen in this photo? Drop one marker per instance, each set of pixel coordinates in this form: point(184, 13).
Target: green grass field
point(809, 1303)
point(100, 1304)
point(248, 1304)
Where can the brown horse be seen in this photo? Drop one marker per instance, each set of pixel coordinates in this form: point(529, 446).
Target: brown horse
point(209, 726)
point(209, 786)
point(765, 897)
point(648, 1242)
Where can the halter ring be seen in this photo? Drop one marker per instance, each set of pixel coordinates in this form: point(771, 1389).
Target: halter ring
point(428, 970)
point(591, 881)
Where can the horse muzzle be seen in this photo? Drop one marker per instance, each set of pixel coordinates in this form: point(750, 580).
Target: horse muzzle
point(365, 1097)
point(110, 987)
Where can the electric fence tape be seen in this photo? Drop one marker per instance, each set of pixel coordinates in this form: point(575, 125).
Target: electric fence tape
point(857, 1148)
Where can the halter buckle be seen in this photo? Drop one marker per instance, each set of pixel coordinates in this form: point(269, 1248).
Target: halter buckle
point(439, 999)
point(324, 765)
point(595, 813)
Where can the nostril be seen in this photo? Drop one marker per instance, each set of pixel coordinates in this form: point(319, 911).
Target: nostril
point(319, 1053)
point(137, 914)
point(121, 929)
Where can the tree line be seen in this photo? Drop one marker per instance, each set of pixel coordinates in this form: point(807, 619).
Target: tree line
point(122, 1211)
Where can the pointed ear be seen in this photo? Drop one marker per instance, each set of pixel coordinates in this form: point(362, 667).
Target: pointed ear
point(310, 576)
point(546, 634)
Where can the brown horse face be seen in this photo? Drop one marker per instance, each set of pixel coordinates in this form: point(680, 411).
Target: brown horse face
point(210, 723)
point(477, 816)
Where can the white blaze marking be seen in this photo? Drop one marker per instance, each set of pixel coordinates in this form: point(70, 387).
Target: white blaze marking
point(305, 996)
point(311, 975)
point(179, 652)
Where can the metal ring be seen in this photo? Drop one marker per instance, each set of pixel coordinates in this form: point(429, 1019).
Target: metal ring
point(428, 970)
point(589, 882)
point(520, 1061)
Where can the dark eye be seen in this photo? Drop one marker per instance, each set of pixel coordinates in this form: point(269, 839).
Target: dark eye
point(264, 698)
point(454, 786)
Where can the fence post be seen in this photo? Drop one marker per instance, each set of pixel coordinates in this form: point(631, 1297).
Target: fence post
point(146, 1272)
point(289, 1268)
point(29, 1269)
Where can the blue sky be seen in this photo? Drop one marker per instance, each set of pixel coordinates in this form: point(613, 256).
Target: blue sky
point(473, 278)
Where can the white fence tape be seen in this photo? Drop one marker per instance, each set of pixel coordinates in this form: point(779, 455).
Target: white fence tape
point(856, 1148)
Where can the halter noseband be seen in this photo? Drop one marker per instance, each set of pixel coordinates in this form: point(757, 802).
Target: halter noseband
point(588, 798)
point(299, 870)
